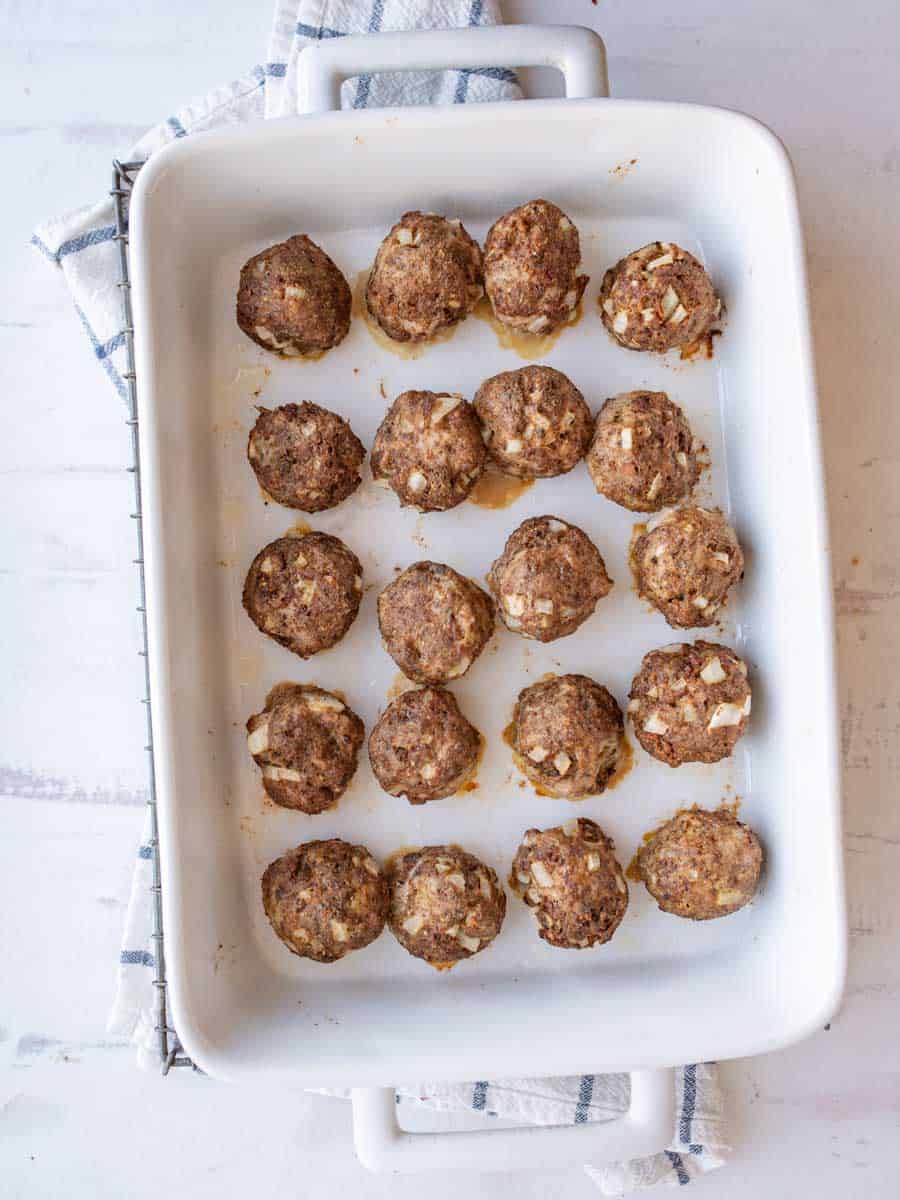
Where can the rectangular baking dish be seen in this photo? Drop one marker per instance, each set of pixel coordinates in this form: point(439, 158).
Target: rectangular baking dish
point(663, 991)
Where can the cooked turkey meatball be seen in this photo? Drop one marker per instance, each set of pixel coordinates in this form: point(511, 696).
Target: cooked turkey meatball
point(292, 299)
point(548, 579)
point(536, 423)
point(446, 904)
point(434, 622)
point(568, 735)
point(427, 275)
point(304, 456)
point(324, 899)
point(304, 591)
point(531, 260)
point(690, 703)
point(642, 454)
point(685, 563)
point(429, 449)
point(701, 865)
point(657, 298)
point(306, 742)
point(570, 877)
point(422, 747)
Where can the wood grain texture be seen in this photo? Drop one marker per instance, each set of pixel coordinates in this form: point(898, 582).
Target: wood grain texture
point(81, 81)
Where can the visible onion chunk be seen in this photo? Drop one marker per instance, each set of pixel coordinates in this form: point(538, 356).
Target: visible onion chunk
point(712, 671)
point(726, 714)
point(655, 724)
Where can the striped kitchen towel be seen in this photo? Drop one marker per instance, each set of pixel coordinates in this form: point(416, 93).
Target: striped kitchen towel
point(81, 246)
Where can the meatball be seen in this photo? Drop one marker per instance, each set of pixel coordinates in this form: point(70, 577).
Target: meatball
point(657, 298)
point(429, 449)
point(548, 579)
point(446, 904)
point(701, 864)
point(570, 877)
point(427, 275)
point(306, 742)
point(690, 703)
point(536, 423)
point(434, 622)
point(423, 747)
point(642, 453)
point(568, 735)
point(531, 260)
point(685, 563)
point(305, 456)
point(292, 299)
point(324, 899)
point(304, 591)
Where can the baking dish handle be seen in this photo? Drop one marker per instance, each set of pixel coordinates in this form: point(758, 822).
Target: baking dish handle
point(577, 52)
point(645, 1129)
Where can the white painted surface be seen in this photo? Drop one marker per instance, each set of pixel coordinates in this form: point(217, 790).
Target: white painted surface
point(81, 81)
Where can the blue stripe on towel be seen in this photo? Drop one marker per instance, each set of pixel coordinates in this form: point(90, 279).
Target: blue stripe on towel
point(364, 83)
point(176, 126)
point(108, 367)
point(479, 1095)
point(585, 1095)
point(317, 32)
point(678, 1167)
point(93, 237)
point(688, 1104)
point(145, 852)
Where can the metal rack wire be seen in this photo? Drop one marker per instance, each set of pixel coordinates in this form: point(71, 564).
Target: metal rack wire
point(168, 1045)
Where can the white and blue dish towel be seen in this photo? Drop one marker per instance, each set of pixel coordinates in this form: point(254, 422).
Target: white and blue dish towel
point(81, 245)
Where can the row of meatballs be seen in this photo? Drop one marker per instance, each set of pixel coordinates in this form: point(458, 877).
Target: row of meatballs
point(429, 274)
point(688, 703)
point(431, 449)
point(325, 899)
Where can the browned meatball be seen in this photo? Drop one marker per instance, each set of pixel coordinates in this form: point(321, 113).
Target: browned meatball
point(701, 864)
point(434, 622)
point(568, 735)
point(658, 297)
point(305, 456)
point(570, 877)
point(293, 300)
point(446, 904)
point(531, 260)
point(423, 747)
point(685, 563)
point(690, 703)
point(324, 899)
point(429, 449)
point(427, 275)
point(548, 579)
point(304, 591)
point(643, 455)
point(536, 423)
point(306, 742)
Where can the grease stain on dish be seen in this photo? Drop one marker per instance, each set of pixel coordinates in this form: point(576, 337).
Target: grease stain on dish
point(529, 346)
point(494, 490)
point(407, 350)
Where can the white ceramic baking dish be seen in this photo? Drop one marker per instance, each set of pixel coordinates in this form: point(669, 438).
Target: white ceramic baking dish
point(663, 991)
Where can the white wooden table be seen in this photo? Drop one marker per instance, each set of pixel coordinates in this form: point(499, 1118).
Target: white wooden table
point(79, 83)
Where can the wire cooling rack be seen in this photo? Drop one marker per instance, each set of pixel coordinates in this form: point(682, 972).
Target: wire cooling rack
point(167, 1043)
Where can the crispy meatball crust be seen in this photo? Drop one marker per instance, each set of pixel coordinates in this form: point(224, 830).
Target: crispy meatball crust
point(292, 299)
point(686, 563)
point(548, 579)
point(690, 703)
point(568, 735)
point(531, 259)
point(701, 864)
point(642, 454)
point(422, 747)
point(657, 298)
point(304, 456)
point(304, 592)
point(570, 877)
point(427, 275)
point(434, 622)
point(324, 899)
point(306, 742)
point(536, 422)
point(429, 449)
point(446, 904)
